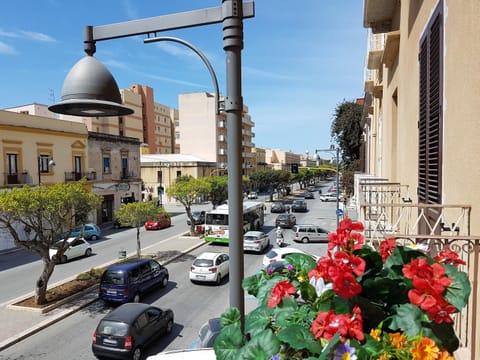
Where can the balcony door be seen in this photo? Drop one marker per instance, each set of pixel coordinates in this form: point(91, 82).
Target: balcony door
point(78, 167)
point(12, 169)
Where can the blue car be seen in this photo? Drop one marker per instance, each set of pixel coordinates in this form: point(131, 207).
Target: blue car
point(87, 231)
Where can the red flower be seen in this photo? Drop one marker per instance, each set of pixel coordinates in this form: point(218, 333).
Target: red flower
point(441, 311)
point(282, 289)
point(346, 285)
point(386, 248)
point(327, 324)
point(447, 256)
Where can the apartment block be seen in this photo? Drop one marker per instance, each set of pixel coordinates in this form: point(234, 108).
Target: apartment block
point(203, 133)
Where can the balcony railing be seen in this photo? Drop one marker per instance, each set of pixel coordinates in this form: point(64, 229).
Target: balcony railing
point(15, 178)
point(125, 174)
point(75, 176)
point(387, 212)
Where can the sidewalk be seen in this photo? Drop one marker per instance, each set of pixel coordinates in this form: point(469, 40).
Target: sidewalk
point(19, 323)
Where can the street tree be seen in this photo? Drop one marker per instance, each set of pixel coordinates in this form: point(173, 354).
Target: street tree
point(218, 189)
point(347, 130)
point(37, 217)
point(188, 190)
point(136, 214)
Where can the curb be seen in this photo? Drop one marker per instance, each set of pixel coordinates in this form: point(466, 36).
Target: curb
point(91, 297)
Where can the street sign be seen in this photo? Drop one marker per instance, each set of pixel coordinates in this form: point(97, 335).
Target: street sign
point(339, 212)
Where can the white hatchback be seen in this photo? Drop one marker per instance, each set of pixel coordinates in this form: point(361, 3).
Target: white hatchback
point(209, 267)
point(256, 241)
point(75, 247)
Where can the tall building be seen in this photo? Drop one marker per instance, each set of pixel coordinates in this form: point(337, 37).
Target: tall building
point(203, 133)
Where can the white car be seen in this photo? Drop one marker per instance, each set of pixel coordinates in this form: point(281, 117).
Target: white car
point(256, 241)
point(77, 247)
point(329, 197)
point(209, 267)
point(279, 254)
point(252, 195)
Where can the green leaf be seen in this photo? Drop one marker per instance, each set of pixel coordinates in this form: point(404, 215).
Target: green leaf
point(459, 290)
point(301, 261)
point(298, 337)
point(251, 284)
point(228, 342)
point(258, 320)
point(263, 346)
point(230, 316)
point(327, 349)
point(408, 318)
point(284, 310)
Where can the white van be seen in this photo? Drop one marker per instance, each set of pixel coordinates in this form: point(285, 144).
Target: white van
point(197, 354)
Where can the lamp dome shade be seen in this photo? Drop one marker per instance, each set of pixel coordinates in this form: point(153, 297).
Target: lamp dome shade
point(90, 90)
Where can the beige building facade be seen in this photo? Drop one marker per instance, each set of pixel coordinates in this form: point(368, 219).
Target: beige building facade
point(421, 125)
point(281, 159)
point(203, 133)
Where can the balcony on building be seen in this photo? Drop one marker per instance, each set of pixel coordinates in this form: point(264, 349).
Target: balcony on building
point(15, 178)
point(378, 14)
point(78, 175)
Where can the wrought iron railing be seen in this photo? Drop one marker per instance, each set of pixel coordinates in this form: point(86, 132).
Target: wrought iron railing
point(15, 178)
point(75, 176)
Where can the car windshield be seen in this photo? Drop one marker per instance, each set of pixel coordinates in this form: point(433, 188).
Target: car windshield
point(271, 254)
point(298, 202)
point(250, 237)
point(113, 277)
point(203, 262)
point(282, 217)
point(112, 328)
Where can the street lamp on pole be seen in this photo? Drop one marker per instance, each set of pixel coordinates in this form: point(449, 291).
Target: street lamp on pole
point(335, 151)
point(43, 164)
point(90, 90)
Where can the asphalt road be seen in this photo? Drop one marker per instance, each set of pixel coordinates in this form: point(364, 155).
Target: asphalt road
point(192, 304)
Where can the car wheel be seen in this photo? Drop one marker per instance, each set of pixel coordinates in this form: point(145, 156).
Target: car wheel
point(88, 252)
point(165, 281)
point(63, 259)
point(169, 326)
point(218, 281)
point(93, 237)
point(137, 354)
point(136, 298)
point(305, 240)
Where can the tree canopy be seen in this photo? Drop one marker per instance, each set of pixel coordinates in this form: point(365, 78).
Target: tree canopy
point(37, 217)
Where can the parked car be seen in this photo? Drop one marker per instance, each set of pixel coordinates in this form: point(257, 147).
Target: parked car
point(209, 267)
point(252, 195)
point(117, 224)
point(299, 206)
point(198, 218)
point(208, 333)
point(328, 197)
point(75, 247)
point(311, 188)
point(161, 221)
point(125, 332)
point(277, 207)
point(308, 195)
point(256, 241)
point(306, 233)
point(131, 279)
point(285, 221)
point(87, 231)
point(278, 254)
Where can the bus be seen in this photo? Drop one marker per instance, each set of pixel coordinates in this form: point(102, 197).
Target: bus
point(216, 220)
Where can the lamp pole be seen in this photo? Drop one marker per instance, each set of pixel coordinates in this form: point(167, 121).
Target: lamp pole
point(335, 151)
point(83, 95)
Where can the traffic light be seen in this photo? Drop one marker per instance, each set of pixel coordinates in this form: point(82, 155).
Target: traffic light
point(294, 168)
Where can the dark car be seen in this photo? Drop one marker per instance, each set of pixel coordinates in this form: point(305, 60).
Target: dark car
point(299, 206)
point(129, 280)
point(285, 221)
point(198, 218)
point(278, 207)
point(208, 333)
point(126, 331)
point(308, 195)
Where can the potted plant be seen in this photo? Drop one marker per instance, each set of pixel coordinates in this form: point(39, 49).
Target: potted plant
point(355, 303)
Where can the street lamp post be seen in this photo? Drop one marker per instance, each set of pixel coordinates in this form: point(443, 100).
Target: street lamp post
point(94, 92)
point(336, 151)
point(49, 163)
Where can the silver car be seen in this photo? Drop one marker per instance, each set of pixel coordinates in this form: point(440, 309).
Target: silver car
point(256, 241)
point(306, 233)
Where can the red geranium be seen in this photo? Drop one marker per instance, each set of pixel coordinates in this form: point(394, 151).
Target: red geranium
point(281, 289)
point(447, 256)
point(386, 248)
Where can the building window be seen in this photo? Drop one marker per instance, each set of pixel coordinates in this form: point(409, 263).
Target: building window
point(430, 111)
point(106, 165)
point(43, 163)
point(12, 164)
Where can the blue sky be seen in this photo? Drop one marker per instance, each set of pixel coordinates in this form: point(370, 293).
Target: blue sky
point(300, 59)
